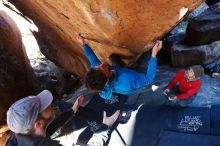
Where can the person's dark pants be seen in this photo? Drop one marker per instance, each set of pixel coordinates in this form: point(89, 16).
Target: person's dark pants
point(81, 118)
point(182, 103)
point(140, 65)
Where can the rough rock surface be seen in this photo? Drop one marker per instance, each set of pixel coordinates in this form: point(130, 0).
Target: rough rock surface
point(183, 55)
point(60, 82)
point(205, 28)
point(120, 27)
point(211, 2)
point(16, 74)
point(181, 27)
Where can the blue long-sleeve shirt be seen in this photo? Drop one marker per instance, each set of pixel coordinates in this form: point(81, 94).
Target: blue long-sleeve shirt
point(125, 81)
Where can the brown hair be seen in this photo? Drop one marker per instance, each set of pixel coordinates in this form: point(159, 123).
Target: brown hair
point(95, 79)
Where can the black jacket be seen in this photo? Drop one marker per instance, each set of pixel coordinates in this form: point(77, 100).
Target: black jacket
point(23, 140)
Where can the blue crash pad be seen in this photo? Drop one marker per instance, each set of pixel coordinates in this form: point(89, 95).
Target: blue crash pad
point(189, 120)
point(169, 138)
point(152, 121)
point(215, 116)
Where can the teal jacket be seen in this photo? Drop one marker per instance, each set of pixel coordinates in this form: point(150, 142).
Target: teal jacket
point(124, 81)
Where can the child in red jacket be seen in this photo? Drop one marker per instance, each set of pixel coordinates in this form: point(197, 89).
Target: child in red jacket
point(188, 84)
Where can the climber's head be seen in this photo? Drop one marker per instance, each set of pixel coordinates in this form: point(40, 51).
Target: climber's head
point(97, 77)
point(194, 72)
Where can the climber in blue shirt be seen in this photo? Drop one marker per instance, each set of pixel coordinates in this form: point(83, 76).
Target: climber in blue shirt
point(108, 80)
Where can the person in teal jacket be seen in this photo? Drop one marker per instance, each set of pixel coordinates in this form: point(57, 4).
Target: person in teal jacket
point(107, 79)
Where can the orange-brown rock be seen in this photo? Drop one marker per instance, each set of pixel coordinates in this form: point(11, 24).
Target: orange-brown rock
point(124, 27)
point(4, 135)
point(16, 74)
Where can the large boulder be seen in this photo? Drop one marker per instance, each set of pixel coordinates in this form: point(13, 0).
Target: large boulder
point(183, 55)
point(205, 28)
point(16, 74)
point(125, 28)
